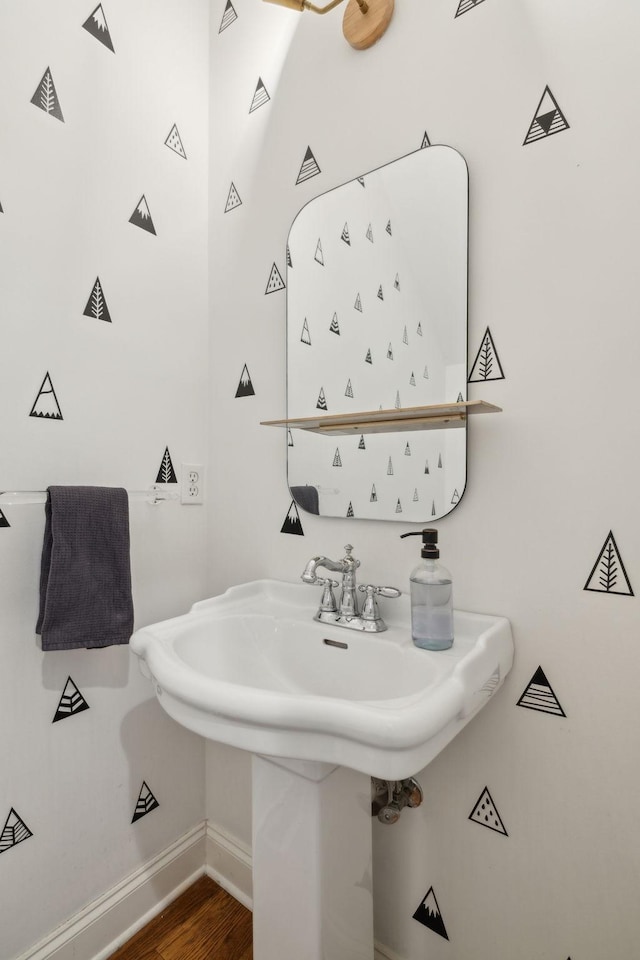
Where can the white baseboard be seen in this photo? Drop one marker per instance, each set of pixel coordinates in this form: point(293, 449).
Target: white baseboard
point(104, 925)
point(384, 953)
point(228, 862)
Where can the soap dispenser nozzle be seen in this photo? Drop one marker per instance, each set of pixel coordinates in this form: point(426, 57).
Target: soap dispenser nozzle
point(429, 542)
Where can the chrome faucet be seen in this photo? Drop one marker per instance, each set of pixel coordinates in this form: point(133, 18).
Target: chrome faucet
point(345, 613)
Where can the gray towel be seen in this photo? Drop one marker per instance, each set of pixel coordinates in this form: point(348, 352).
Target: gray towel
point(85, 577)
point(307, 498)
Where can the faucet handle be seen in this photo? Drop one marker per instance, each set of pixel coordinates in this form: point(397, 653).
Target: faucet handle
point(348, 555)
point(328, 602)
point(391, 592)
point(370, 606)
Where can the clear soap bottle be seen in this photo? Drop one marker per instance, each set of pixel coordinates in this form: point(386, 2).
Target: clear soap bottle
point(431, 596)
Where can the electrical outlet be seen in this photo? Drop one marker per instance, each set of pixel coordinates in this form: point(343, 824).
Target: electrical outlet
point(192, 483)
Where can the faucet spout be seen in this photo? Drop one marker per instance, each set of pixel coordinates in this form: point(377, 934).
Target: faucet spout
point(310, 575)
point(345, 613)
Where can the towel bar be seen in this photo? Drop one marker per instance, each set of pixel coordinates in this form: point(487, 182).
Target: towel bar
point(19, 497)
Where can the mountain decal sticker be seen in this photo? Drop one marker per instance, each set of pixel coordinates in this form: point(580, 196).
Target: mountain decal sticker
point(141, 216)
point(428, 913)
point(96, 25)
point(292, 521)
point(245, 387)
point(46, 403)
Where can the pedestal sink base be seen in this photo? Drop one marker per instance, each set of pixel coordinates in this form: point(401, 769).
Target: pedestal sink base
point(252, 669)
point(312, 878)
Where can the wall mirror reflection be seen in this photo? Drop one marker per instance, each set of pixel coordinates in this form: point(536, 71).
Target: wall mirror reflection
point(377, 321)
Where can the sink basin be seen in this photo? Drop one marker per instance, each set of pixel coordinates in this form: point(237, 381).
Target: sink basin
point(251, 668)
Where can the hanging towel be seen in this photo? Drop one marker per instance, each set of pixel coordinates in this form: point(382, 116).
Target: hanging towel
point(307, 498)
point(85, 578)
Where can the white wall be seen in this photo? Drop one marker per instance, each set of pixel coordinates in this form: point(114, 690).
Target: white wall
point(553, 228)
point(127, 390)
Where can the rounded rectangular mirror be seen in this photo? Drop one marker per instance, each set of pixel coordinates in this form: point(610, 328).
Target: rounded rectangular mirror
point(377, 320)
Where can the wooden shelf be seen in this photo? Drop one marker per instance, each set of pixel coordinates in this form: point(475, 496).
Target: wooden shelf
point(438, 416)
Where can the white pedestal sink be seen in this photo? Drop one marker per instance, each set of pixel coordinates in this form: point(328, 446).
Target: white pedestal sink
point(322, 709)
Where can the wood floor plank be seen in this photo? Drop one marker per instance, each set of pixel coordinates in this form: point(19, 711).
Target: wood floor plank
point(221, 928)
point(193, 923)
point(220, 921)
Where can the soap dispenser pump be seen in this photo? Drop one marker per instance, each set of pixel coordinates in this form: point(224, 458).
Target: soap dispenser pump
point(431, 596)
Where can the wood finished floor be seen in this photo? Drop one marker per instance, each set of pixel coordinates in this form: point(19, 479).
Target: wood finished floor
point(203, 923)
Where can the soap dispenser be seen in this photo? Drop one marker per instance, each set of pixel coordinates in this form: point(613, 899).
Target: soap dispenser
point(431, 596)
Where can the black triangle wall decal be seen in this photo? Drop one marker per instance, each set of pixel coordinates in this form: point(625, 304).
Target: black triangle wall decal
point(46, 404)
point(486, 365)
point(141, 216)
point(96, 304)
point(260, 97)
point(538, 695)
point(547, 120)
point(228, 17)
point(309, 167)
point(428, 913)
point(71, 702)
point(96, 25)
point(245, 387)
point(14, 832)
point(292, 521)
point(174, 142)
point(233, 199)
point(466, 5)
point(166, 473)
point(275, 281)
point(486, 814)
point(608, 574)
point(145, 803)
point(46, 97)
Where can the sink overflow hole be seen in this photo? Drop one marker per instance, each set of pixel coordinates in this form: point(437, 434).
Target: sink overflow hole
point(336, 643)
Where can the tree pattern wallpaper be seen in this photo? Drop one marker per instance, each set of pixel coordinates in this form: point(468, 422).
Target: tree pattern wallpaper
point(531, 124)
point(101, 141)
point(554, 693)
